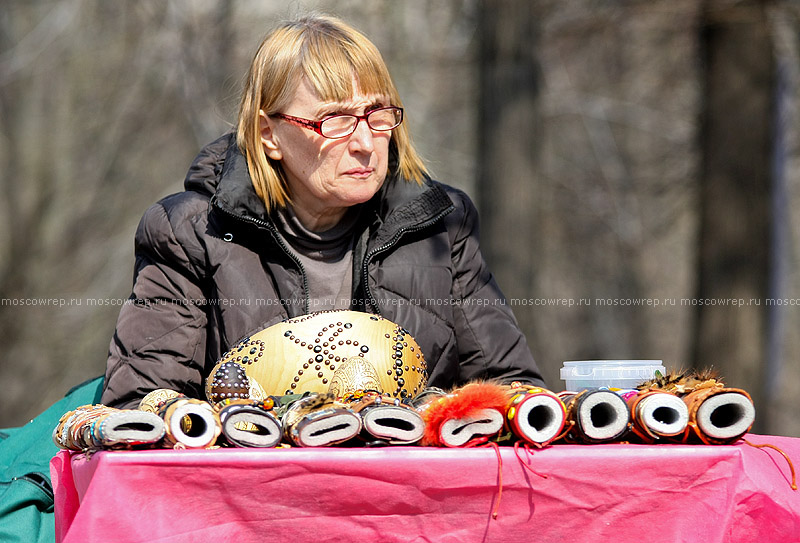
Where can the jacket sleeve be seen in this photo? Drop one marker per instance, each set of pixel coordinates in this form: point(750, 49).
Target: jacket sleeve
point(160, 337)
point(490, 342)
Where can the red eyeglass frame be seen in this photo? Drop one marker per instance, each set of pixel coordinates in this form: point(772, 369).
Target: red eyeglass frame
point(316, 126)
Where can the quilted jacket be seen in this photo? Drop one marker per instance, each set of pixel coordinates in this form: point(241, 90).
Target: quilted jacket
point(211, 268)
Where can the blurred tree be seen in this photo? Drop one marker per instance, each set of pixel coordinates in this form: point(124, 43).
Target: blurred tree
point(99, 105)
point(588, 162)
point(619, 154)
point(508, 134)
point(735, 204)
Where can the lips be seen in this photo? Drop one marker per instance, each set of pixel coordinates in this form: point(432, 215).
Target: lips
point(359, 172)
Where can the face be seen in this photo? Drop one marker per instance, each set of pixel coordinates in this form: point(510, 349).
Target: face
point(326, 176)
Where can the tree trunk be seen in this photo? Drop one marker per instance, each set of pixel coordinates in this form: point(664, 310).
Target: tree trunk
point(735, 195)
point(509, 86)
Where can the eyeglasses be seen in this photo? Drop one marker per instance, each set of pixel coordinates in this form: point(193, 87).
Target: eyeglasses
point(340, 126)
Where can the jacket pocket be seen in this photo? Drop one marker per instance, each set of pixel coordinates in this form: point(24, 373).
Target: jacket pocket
point(26, 509)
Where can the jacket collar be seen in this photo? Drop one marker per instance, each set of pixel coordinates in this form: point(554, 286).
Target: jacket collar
point(403, 205)
point(221, 170)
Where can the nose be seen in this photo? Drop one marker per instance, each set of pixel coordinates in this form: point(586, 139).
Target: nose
point(362, 137)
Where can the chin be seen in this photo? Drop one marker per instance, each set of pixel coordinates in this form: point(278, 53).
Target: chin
point(353, 200)
point(363, 193)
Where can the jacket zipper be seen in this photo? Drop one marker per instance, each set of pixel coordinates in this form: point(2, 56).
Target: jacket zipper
point(272, 230)
point(399, 234)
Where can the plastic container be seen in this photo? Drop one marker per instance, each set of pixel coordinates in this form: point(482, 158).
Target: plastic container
point(580, 374)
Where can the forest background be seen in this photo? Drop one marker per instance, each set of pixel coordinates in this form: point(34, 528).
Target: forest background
point(635, 165)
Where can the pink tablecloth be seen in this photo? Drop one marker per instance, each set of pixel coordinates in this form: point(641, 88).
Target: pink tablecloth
point(613, 493)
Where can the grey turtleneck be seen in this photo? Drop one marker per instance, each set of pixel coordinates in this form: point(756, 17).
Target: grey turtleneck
point(327, 258)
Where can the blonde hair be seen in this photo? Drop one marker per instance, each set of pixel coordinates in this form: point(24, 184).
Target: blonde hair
point(328, 52)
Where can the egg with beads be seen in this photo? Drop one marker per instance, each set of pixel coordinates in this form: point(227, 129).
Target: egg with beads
point(302, 354)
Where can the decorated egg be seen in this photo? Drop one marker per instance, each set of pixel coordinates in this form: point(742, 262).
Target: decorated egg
point(329, 351)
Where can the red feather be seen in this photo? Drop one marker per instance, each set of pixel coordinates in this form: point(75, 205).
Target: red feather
point(463, 402)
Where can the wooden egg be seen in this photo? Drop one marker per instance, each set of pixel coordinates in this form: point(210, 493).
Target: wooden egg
point(303, 354)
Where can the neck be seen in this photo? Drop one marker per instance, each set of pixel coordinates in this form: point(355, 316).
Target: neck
point(319, 221)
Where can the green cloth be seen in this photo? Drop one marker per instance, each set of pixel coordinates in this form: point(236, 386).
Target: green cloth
point(26, 494)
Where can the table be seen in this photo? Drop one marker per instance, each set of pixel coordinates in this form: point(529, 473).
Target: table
point(616, 492)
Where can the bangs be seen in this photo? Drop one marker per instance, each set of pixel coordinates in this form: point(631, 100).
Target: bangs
point(331, 59)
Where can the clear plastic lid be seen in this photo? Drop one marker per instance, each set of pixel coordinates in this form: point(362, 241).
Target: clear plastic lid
point(611, 369)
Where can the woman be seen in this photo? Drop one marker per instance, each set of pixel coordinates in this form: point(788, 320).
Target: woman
point(318, 201)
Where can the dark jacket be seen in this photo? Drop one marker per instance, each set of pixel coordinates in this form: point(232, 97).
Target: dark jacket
point(211, 269)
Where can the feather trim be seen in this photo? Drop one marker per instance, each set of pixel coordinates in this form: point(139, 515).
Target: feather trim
point(462, 403)
point(682, 382)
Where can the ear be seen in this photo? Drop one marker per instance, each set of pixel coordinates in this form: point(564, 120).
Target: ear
point(268, 137)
